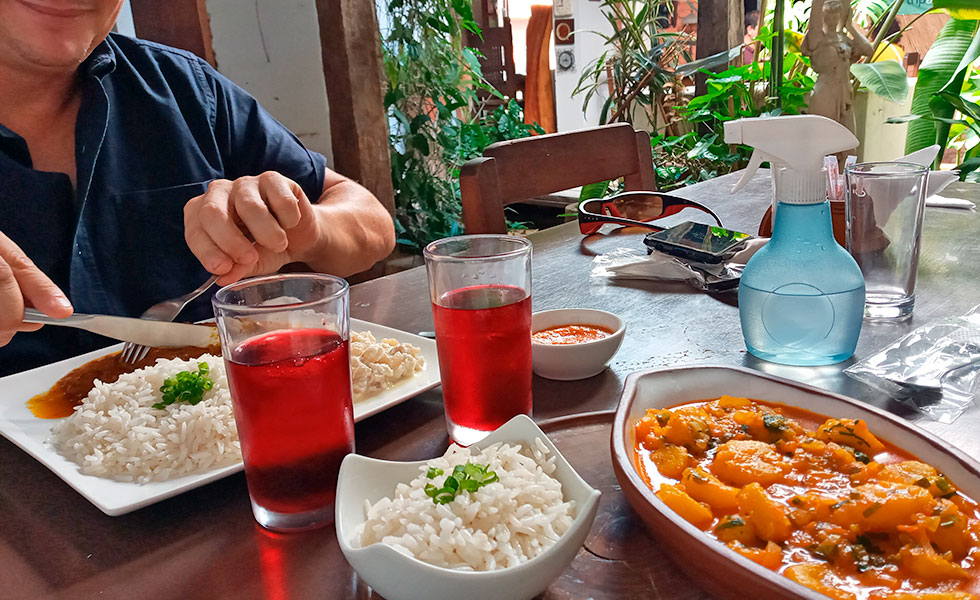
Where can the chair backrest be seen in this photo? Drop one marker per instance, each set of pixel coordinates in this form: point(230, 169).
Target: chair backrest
point(518, 170)
point(496, 48)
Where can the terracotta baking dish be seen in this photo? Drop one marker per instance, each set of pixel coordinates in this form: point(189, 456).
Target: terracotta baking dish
point(718, 570)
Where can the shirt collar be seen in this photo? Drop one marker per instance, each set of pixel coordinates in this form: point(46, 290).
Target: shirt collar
point(100, 62)
point(6, 133)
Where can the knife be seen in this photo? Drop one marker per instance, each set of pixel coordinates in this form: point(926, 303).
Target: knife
point(138, 331)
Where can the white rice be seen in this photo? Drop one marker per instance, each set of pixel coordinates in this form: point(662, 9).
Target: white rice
point(502, 524)
point(117, 434)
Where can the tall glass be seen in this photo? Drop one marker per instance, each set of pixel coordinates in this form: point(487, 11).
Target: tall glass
point(885, 204)
point(285, 343)
point(480, 287)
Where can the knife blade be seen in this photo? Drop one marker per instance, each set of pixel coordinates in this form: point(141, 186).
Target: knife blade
point(138, 331)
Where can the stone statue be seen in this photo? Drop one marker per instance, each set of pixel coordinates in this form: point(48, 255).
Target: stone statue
point(833, 43)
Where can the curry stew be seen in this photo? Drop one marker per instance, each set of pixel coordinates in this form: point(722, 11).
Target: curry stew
point(69, 391)
point(822, 501)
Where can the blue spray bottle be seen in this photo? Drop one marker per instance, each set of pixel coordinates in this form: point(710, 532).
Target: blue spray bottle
point(801, 297)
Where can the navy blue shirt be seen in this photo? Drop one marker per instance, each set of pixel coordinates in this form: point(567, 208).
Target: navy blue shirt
point(156, 125)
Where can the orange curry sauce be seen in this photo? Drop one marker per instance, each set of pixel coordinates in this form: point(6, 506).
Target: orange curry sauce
point(60, 401)
point(570, 334)
point(822, 501)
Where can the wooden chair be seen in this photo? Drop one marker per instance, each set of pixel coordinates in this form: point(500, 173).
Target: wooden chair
point(518, 170)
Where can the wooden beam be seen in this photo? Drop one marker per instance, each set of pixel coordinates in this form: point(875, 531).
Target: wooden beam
point(179, 23)
point(721, 26)
point(351, 47)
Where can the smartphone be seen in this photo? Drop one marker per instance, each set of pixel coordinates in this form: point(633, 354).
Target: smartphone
point(697, 242)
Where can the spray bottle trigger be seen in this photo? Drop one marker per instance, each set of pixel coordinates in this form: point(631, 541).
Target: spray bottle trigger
point(754, 162)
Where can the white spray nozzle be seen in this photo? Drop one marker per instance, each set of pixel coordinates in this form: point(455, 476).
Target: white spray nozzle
point(796, 142)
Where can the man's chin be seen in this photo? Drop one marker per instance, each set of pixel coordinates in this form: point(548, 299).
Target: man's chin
point(63, 56)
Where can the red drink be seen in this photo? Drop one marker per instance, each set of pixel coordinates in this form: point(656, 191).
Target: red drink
point(483, 335)
point(291, 391)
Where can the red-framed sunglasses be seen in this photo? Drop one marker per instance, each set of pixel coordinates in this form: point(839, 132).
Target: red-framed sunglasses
point(633, 209)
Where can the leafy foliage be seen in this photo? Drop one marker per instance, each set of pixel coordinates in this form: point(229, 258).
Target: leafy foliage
point(434, 101)
point(639, 62)
point(735, 93)
point(943, 70)
point(887, 78)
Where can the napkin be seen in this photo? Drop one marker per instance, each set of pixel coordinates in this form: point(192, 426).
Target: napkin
point(628, 263)
point(938, 180)
point(945, 202)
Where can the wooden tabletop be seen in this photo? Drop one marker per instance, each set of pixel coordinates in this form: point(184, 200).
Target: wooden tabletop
point(205, 543)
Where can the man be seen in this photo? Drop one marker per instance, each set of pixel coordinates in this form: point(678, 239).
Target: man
point(129, 171)
point(751, 31)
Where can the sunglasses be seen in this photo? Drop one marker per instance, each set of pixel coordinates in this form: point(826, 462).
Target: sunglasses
point(633, 209)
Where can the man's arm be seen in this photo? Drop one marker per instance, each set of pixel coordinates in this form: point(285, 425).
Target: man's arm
point(356, 228)
point(255, 225)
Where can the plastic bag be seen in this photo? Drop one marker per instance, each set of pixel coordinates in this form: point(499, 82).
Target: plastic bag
point(935, 369)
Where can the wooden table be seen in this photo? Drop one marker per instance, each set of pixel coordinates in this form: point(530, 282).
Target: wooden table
point(205, 544)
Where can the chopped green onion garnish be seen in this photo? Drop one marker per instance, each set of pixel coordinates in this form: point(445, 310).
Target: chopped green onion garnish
point(186, 386)
point(464, 478)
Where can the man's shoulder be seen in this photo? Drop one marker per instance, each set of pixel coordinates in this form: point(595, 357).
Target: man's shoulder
point(141, 55)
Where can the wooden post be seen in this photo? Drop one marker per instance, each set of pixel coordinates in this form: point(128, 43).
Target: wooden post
point(179, 23)
point(721, 26)
point(351, 48)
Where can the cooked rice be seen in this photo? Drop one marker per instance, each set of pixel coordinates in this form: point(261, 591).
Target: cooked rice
point(502, 524)
point(376, 366)
point(116, 433)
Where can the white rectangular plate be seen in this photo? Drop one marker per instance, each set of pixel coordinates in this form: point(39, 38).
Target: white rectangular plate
point(18, 425)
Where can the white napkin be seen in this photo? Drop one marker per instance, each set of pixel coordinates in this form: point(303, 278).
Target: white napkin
point(938, 180)
point(940, 201)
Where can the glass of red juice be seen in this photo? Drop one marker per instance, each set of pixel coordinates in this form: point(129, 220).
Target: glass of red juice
point(480, 288)
point(285, 343)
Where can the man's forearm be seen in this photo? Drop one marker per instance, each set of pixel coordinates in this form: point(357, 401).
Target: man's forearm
point(355, 231)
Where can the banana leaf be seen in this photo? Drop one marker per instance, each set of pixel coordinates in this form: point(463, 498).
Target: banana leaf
point(959, 9)
point(887, 78)
point(943, 69)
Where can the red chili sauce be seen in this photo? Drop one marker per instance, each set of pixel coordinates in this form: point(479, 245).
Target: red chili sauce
point(570, 334)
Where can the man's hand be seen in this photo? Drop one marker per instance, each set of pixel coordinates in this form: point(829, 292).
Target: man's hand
point(22, 283)
point(250, 226)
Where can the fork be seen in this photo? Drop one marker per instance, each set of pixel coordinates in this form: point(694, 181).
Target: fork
point(163, 311)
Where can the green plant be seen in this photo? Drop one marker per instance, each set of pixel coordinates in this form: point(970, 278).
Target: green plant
point(964, 136)
point(731, 94)
point(639, 62)
point(937, 94)
point(434, 101)
point(429, 77)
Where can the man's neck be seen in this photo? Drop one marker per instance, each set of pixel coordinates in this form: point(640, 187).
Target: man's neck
point(42, 106)
point(32, 96)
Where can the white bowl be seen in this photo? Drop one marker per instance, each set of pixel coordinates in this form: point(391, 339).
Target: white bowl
point(567, 362)
point(397, 576)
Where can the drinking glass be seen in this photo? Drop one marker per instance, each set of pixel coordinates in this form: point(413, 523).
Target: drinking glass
point(480, 288)
point(285, 343)
point(885, 204)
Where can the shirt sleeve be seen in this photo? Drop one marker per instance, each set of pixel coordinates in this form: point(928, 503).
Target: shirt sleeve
point(252, 141)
